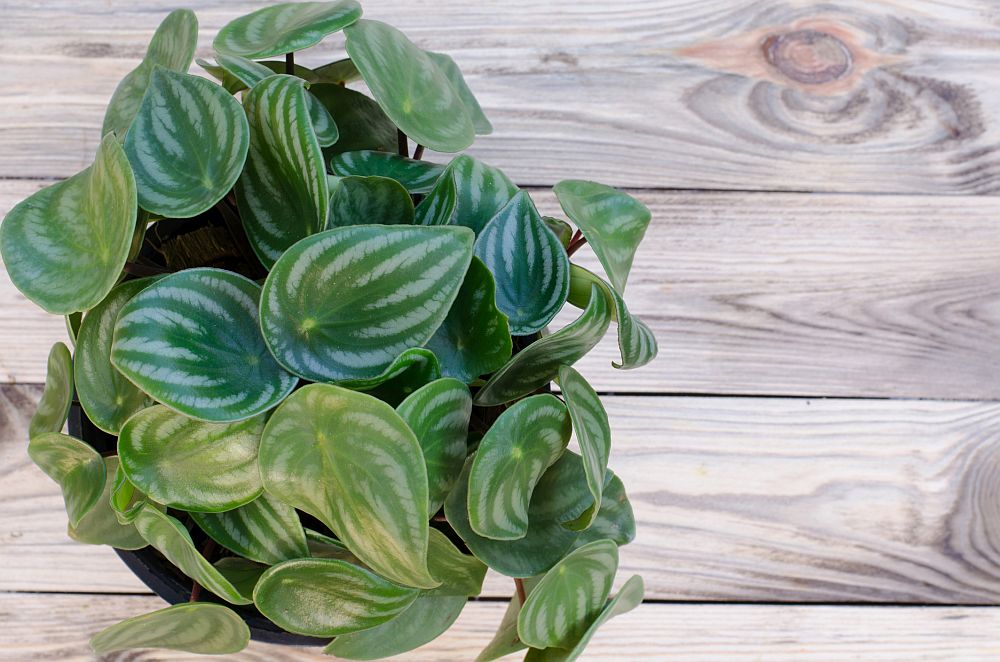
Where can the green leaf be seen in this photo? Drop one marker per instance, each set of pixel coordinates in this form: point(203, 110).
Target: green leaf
point(192, 341)
point(438, 206)
point(524, 441)
point(282, 194)
point(77, 467)
point(167, 535)
point(328, 597)
point(615, 519)
point(474, 338)
point(593, 433)
point(192, 465)
point(73, 322)
point(459, 574)
point(410, 371)
point(284, 28)
point(100, 526)
point(569, 597)
point(394, 286)
point(81, 226)
point(370, 201)
point(411, 88)
point(506, 640)
point(53, 407)
point(560, 228)
point(539, 362)
point(415, 176)
point(241, 573)
point(613, 223)
point(532, 288)
point(196, 627)
point(351, 461)
point(454, 74)
point(480, 191)
point(264, 530)
point(361, 121)
point(125, 500)
point(340, 72)
point(325, 547)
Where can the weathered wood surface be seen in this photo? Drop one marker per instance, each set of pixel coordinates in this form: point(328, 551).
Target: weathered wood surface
point(847, 95)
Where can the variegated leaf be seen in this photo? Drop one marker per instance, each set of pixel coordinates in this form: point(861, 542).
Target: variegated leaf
point(351, 461)
point(81, 226)
point(192, 341)
point(411, 370)
point(125, 500)
point(196, 627)
point(438, 206)
point(593, 433)
point(328, 597)
point(75, 466)
point(264, 530)
point(447, 65)
point(362, 124)
point(339, 72)
point(344, 304)
point(415, 176)
point(100, 526)
point(284, 28)
point(370, 201)
point(524, 441)
point(53, 407)
point(459, 574)
point(324, 547)
point(479, 190)
point(411, 88)
point(614, 520)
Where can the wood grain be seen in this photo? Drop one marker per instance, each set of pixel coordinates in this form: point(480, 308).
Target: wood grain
point(843, 95)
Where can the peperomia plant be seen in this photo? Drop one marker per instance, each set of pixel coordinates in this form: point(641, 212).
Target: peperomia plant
point(326, 357)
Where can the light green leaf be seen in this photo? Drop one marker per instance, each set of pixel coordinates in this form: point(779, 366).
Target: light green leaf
point(196, 627)
point(264, 530)
point(506, 640)
point(125, 500)
point(339, 72)
point(351, 461)
point(53, 407)
point(524, 441)
point(370, 201)
point(284, 28)
point(615, 519)
point(73, 322)
point(459, 574)
point(415, 176)
point(229, 82)
point(560, 228)
point(100, 526)
point(325, 547)
point(447, 65)
point(362, 123)
point(192, 341)
point(81, 226)
point(613, 223)
point(479, 189)
point(328, 597)
point(77, 467)
point(593, 433)
point(394, 286)
point(411, 88)
point(241, 573)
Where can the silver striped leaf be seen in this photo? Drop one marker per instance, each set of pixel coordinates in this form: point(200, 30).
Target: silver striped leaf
point(411, 370)
point(100, 526)
point(479, 189)
point(344, 304)
point(613, 222)
point(539, 362)
point(192, 341)
point(513, 455)
point(438, 206)
point(411, 88)
point(192, 465)
point(328, 597)
point(75, 466)
point(593, 434)
point(282, 194)
point(284, 28)
point(264, 530)
point(241, 573)
point(460, 574)
point(53, 406)
point(529, 264)
point(81, 226)
point(196, 627)
point(615, 519)
point(352, 462)
point(362, 124)
point(569, 597)
point(370, 201)
point(454, 74)
point(415, 176)
point(187, 144)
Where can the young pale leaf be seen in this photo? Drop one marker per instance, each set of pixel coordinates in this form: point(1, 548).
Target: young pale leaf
point(192, 341)
point(361, 122)
point(411, 88)
point(344, 304)
point(125, 500)
point(532, 288)
point(53, 407)
point(81, 226)
point(569, 597)
point(328, 597)
point(479, 190)
point(192, 465)
point(77, 467)
point(523, 442)
point(415, 176)
point(264, 530)
point(539, 362)
point(613, 223)
point(593, 433)
point(196, 627)
point(614, 520)
point(284, 28)
point(447, 65)
point(351, 461)
point(560, 228)
point(459, 574)
point(283, 193)
point(339, 72)
point(100, 526)
point(438, 414)
point(370, 201)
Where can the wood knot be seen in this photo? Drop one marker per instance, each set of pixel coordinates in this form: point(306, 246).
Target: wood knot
point(807, 56)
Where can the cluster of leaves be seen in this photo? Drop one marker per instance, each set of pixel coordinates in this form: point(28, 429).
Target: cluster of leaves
point(360, 415)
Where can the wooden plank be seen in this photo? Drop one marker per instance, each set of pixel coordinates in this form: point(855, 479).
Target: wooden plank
point(844, 95)
point(49, 627)
point(736, 499)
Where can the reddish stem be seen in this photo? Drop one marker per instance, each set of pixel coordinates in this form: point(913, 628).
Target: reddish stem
point(290, 64)
point(418, 152)
point(521, 595)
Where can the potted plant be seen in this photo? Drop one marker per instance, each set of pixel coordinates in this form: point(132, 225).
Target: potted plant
point(310, 393)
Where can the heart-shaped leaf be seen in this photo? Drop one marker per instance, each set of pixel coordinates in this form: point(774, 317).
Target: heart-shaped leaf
point(613, 223)
point(339, 72)
point(264, 530)
point(415, 176)
point(351, 461)
point(438, 414)
point(196, 627)
point(361, 122)
point(81, 226)
point(479, 190)
point(77, 467)
point(192, 465)
point(394, 286)
point(614, 520)
point(459, 574)
point(539, 362)
point(411, 88)
point(53, 407)
point(532, 288)
point(100, 526)
point(283, 193)
point(328, 597)
point(284, 28)
point(514, 453)
point(454, 74)
point(370, 201)
point(192, 341)
point(593, 433)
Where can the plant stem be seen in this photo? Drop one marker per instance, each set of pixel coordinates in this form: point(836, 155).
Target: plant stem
point(207, 551)
point(418, 152)
point(521, 595)
point(575, 243)
point(401, 144)
point(290, 64)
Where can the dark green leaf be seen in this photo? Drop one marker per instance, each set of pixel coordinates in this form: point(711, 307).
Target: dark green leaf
point(370, 201)
point(73, 322)
point(480, 192)
point(264, 530)
point(53, 407)
point(415, 176)
point(340, 72)
point(77, 468)
point(197, 627)
point(411, 370)
point(361, 121)
point(284, 28)
point(100, 526)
